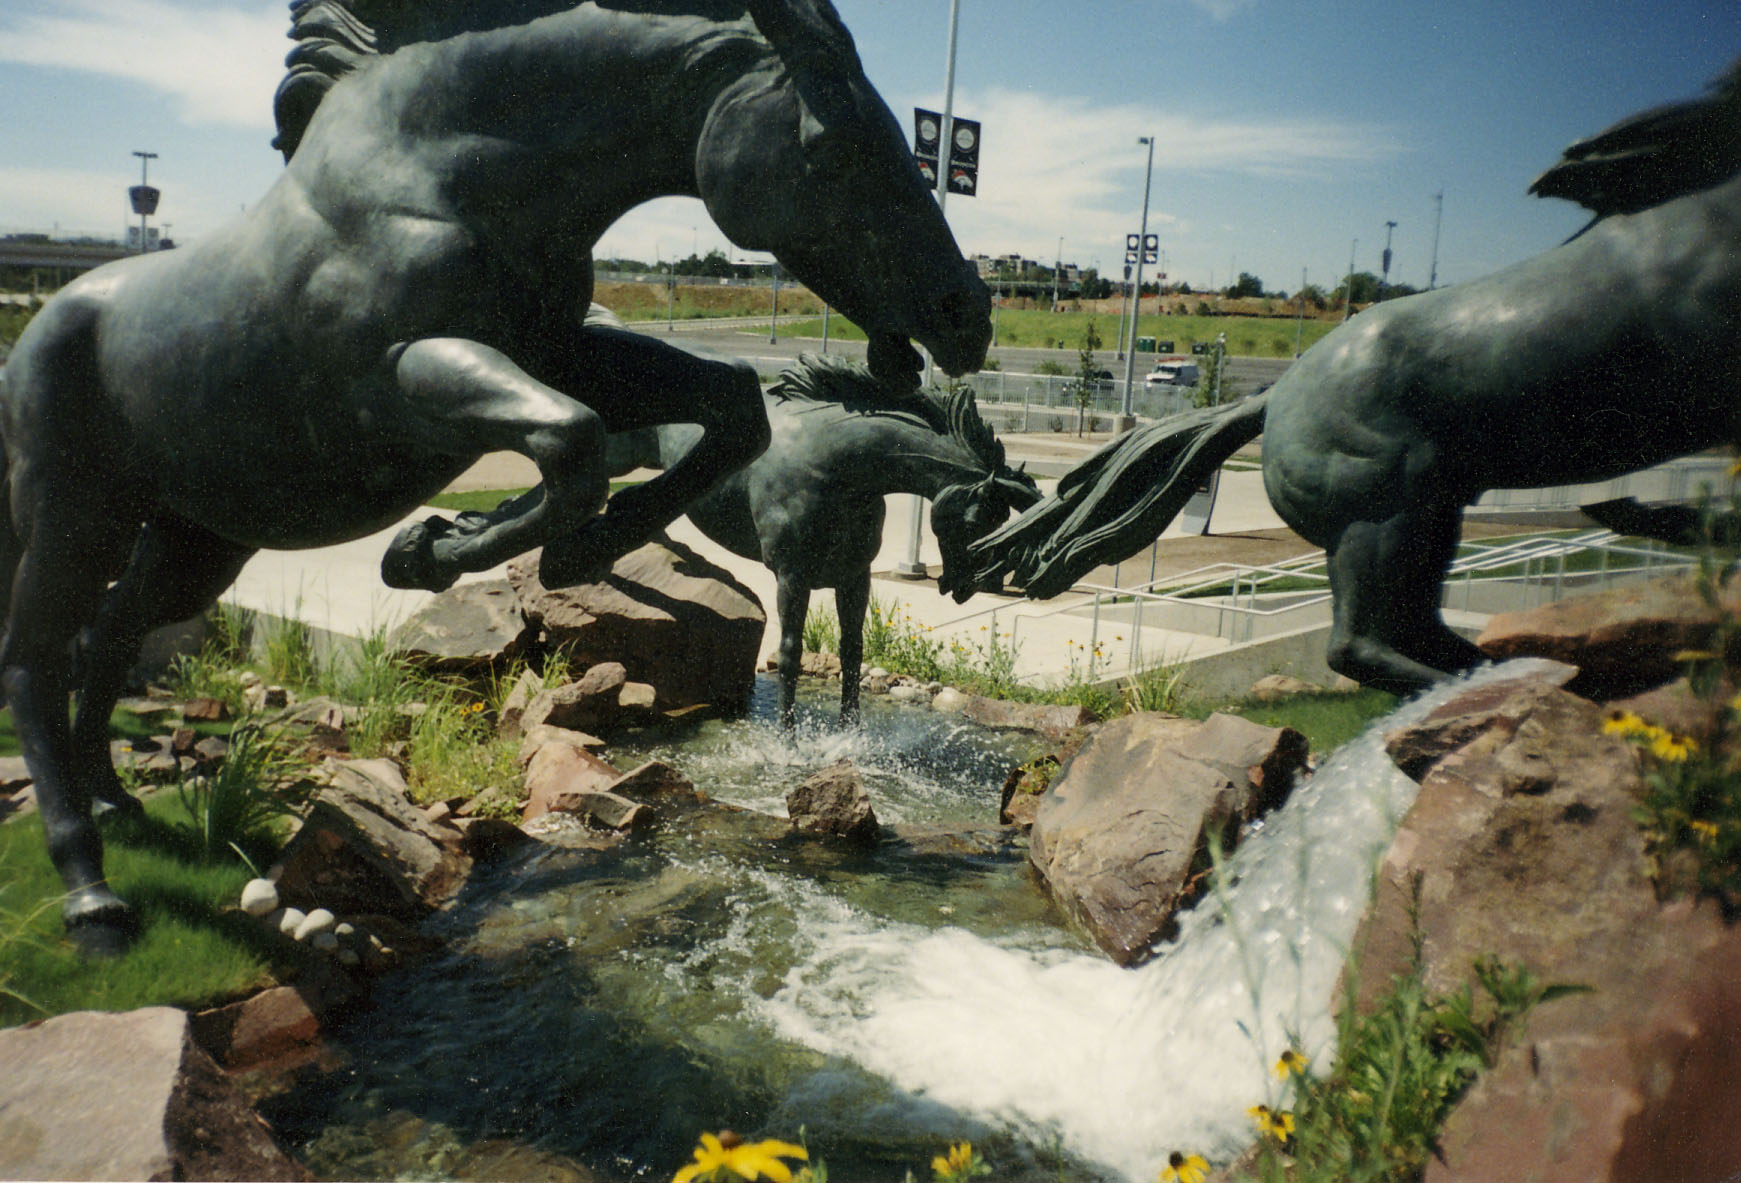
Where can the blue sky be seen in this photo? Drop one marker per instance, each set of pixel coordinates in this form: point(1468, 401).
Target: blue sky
point(1288, 131)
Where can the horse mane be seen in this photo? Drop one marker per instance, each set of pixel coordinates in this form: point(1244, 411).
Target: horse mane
point(1654, 156)
point(335, 37)
point(828, 378)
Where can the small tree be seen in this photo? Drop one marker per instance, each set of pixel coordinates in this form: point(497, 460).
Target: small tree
point(1088, 372)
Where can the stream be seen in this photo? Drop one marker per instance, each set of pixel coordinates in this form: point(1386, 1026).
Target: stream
point(593, 1013)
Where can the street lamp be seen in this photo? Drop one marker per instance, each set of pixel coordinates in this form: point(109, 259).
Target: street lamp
point(1127, 420)
point(1384, 265)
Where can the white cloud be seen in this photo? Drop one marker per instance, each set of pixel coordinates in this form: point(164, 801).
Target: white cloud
point(1222, 9)
point(220, 64)
point(1056, 165)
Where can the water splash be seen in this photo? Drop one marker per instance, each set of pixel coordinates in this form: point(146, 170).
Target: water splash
point(1122, 1066)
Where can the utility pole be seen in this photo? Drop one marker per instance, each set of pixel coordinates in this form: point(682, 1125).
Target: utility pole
point(1438, 214)
point(1057, 267)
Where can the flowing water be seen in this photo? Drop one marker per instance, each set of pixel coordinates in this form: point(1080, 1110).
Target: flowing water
point(604, 1009)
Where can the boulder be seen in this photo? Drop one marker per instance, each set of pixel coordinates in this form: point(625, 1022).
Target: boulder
point(676, 622)
point(513, 709)
point(556, 768)
point(366, 848)
point(601, 699)
point(598, 807)
point(1521, 845)
point(949, 701)
point(1275, 687)
point(834, 803)
point(815, 665)
point(471, 628)
point(95, 1095)
point(543, 733)
point(1053, 721)
point(276, 1027)
point(659, 787)
point(1121, 836)
point(1623, 640)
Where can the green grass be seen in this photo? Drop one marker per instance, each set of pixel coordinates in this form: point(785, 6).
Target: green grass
point(484, 500)
point(1327, 720)
point(1247, 336)
point(196, 948)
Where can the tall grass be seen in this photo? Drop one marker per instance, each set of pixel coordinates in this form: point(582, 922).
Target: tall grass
point(233, 808)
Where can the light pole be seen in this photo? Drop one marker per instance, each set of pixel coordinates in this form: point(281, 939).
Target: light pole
point(774, 314)
point(1438, 215)
point(1127, 420)
point(1384, 261)
point(1300, 317)
point(1348, 288)
point(911, 567)
point(1057, 266)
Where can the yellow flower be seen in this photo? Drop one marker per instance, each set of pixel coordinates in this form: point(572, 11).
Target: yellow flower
point(1707, 831)
point(1624, 723)
point(1291, 1063)
point(1277, 1123)
point(958, 1165)
point(746, 1160)
point(1671, 748)
point(1184, 1168)
point(1735, 704)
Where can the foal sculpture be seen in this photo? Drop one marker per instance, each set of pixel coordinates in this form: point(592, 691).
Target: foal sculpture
point(1617, 350)
point(811, 507)
point(409, 295)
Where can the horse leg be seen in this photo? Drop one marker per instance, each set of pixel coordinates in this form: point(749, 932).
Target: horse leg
point(67, 559)
point(462, 397)
point(1433, 537)
point(851, 600)
point(1379, 618)
point(634, 381)
point(792, 600)
point(176, 571)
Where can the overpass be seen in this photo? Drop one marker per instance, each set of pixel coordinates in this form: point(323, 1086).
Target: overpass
point(74, 256)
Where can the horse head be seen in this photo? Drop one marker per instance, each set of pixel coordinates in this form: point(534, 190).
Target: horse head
point(963, 514)
point(802, 158)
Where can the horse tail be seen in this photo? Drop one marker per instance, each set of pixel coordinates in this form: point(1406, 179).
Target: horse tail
point(1117, 501)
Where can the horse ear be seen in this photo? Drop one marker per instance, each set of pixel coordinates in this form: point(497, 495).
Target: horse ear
point(807, 34)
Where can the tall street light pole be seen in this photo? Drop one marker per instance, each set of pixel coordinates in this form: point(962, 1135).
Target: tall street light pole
point(1126, 419)
point(911, 567)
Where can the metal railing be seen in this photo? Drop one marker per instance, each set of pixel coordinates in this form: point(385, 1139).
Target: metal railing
point(1236, 603)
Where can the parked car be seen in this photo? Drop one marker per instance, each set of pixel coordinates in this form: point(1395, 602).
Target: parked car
point(1173, 372)
point(1102, 383)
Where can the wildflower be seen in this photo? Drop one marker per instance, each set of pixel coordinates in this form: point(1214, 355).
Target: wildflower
point(1291, 1063)
point(1625, 723)
point(960, 1164)
point(1706, 831)
point(1277, 1123)
point(1671, 748)
point(745, 1160)
point(1735, 704)
point(1184, 1168)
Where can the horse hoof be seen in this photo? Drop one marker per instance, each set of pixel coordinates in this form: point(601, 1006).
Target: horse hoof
point(121, 804)
point(410, 559)
point(99, 922)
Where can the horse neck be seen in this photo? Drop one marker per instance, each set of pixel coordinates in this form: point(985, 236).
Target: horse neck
point(894, 454)
point(623, 98)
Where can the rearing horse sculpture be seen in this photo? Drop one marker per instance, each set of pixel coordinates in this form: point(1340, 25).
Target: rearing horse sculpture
point(1615, 351)
point(409, 295)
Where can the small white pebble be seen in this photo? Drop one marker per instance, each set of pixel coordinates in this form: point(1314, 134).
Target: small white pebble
point(259, 897)
point(318, 921)
point(290, 919)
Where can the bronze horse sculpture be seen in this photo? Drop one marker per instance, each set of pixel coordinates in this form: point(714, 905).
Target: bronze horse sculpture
point(811, 507)
point(408, 296)
point(1614, 351)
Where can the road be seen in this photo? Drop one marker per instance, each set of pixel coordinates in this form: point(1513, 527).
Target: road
point(748, 338)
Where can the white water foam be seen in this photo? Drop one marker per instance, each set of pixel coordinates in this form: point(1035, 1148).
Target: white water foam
point(1123, 1066)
